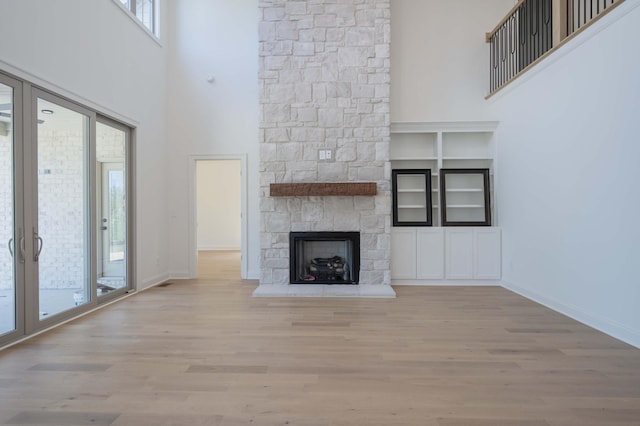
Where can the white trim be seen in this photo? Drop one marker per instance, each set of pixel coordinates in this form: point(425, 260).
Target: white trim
point(253, 274)
point(601, 24)
point(192, 211)
point(156, 21)
point(605, 325)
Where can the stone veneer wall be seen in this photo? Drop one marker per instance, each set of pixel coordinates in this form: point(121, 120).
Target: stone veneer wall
point(324, 83)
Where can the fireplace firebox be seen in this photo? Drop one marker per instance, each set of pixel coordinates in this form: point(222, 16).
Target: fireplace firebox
point(324, 257)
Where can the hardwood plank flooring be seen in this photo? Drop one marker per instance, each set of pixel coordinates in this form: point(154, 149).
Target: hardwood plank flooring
point(204, 352)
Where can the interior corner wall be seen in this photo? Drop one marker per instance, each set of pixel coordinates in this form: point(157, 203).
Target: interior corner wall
point(92, 52)
point(217, 39)
point(568, 153)
point(439, 58)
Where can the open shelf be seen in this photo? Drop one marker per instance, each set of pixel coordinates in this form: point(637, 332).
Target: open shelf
point(444, 145)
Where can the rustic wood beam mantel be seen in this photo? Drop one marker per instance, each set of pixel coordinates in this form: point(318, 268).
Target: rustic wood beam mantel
point(322, 189)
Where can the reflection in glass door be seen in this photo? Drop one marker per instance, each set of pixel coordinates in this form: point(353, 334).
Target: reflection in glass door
point(111, 206)
point(8, 252)
point(60, 238)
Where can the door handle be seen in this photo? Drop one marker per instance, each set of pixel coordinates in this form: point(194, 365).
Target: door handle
point(23, 247)
point(20, 246)
point(38, 243)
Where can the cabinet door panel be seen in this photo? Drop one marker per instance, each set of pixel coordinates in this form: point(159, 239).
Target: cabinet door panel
point(487, 257)
point(403, 253)
point(459, 254)
point(430, 251)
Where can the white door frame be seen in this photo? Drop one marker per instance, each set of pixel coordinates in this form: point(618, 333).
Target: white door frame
point(193, 213)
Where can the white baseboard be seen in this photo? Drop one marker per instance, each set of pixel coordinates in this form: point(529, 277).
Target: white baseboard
point(152, 281)
point(605, 325)
point(218, 248)
point(253, 274)
point(448, 283)
point(180, 275)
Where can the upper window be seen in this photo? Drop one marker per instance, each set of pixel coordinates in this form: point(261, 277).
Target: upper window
point(144, 10)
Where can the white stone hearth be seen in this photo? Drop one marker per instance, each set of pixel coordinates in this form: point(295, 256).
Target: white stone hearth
point(320, 290)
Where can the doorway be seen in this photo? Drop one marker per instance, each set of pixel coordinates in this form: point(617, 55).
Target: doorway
point(218, 211)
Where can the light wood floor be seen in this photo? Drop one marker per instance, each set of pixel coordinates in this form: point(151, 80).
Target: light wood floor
point(204, 352)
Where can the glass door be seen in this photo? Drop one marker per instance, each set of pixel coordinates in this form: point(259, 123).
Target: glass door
point(65, 220)
point(60, 235)
point(11, 232)
point(111, 206)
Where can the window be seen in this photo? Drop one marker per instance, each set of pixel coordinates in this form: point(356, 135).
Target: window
point(144, 10)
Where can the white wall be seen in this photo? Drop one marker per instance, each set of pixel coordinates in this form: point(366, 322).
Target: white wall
point(218, 204)
point(439, 58)
point(568, 154)
point(216, 38)
point(91, 51)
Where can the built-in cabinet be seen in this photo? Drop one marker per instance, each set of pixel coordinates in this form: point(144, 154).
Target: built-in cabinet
point(432, 252)
point(445, 254)
point(454, 145)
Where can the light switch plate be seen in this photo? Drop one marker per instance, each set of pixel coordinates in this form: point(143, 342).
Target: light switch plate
point(325, 154)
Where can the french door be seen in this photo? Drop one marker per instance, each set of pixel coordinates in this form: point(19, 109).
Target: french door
point(52, 209)
point(12, 237)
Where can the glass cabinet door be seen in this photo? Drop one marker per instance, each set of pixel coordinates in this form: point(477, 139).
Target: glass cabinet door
point(412, 197)
point(465, 197)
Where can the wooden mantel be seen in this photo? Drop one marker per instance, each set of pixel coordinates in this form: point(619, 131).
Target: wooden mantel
point(322, 189)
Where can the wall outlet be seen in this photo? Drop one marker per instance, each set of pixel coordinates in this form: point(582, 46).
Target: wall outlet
point(325, 155)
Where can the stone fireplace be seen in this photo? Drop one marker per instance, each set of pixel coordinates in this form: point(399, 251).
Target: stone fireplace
point(325, 122)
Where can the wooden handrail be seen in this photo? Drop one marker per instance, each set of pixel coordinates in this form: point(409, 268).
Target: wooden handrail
point(502, 21)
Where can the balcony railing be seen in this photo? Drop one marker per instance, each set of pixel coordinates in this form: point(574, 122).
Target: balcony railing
point(532, 28)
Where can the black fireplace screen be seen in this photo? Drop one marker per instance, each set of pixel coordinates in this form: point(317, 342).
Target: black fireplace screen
point(324, 257)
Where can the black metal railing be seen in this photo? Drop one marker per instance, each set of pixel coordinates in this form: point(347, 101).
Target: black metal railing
point(580, 12)
point(532, 28)
point(521, 38)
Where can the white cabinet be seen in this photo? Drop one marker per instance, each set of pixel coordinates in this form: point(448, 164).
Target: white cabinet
point(459, 253)
point(429, 254)
point(403, 244)
point(423, 255)
point(473, 253)
point(487, 254)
